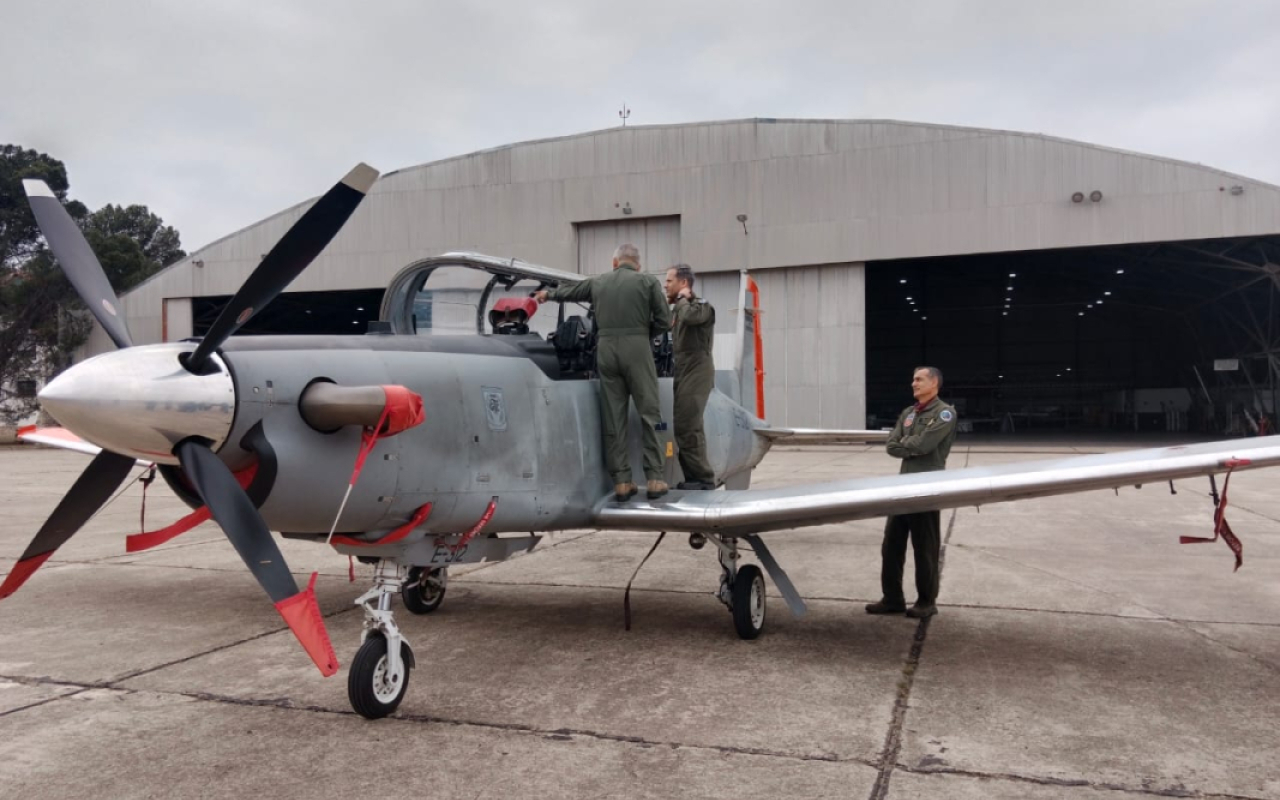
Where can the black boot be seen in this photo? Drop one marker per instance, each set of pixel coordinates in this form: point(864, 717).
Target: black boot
point(885, 608)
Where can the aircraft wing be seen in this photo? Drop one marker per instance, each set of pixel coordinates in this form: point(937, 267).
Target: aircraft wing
point(758, 510)
point(63, 439)
point(822, 436)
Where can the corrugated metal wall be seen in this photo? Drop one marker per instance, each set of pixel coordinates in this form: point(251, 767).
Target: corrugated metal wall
point(814, 192)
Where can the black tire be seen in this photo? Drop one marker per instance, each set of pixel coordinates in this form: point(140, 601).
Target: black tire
point(370, 695)
point(419, 595)
point(749, 602)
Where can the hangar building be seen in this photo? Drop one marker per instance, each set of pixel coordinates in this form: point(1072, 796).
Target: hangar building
point(1057, 284)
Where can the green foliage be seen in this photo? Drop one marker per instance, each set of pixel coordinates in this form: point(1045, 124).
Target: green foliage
point(42, 320)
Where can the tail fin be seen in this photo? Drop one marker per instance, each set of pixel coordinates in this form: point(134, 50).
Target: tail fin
point(739, 353)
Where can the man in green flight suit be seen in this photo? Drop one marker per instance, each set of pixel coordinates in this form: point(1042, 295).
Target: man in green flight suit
point(693, 322)
point(630, 309)
point(922, 439)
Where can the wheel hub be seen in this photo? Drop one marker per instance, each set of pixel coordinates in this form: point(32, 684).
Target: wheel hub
point(386, 684)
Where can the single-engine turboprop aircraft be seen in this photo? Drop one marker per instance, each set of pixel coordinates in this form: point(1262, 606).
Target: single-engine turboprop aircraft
point(465, 447)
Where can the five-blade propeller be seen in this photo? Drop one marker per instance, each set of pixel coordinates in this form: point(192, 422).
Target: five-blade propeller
point(228, 504)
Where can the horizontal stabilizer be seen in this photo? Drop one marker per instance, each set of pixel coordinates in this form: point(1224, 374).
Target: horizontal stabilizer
point(822, 436)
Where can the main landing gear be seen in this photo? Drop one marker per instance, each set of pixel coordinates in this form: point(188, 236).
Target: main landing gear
point(423, 592)
point(741, 588)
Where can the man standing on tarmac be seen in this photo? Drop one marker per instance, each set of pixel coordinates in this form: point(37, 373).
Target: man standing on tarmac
point(630, 310)
point(922, 439)
point(693, 322)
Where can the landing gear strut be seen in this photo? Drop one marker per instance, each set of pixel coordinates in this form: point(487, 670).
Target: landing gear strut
point(741, 589)
point(379, 675)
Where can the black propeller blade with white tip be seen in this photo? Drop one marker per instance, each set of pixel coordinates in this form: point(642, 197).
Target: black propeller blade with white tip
point(234, 512)
point(291, 255)
point(77, 259)
point(89, 493)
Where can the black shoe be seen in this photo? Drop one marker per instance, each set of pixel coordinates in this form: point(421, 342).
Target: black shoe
point(696, 486)
point(919, 611)
point(884, 608)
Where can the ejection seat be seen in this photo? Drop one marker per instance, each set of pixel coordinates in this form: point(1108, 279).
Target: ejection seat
point(575, 341)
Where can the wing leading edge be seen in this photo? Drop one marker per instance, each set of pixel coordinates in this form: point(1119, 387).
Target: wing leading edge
point(761, 510)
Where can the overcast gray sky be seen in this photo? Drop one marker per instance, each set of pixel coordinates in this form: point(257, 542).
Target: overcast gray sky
point(217, 114)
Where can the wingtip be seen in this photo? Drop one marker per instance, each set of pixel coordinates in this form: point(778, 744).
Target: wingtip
point(37, 188)
point(361, 178)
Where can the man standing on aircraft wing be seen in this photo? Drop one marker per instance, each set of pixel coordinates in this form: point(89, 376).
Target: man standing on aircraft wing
point(922, 439)
point(693, 322)
point(630, 309)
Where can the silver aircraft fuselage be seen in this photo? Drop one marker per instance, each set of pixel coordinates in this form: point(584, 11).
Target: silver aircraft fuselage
point(500, 423)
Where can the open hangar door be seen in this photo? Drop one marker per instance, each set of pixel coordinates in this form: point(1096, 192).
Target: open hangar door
point(309, 313)
point(1178, 337)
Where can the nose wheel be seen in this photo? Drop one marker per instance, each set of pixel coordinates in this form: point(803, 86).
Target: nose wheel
point(375, 686)
point(379, 675)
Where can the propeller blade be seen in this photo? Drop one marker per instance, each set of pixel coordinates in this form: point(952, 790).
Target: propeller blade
point(234, 512)
point(77, 259)
point(291, 255)
point(91, 490)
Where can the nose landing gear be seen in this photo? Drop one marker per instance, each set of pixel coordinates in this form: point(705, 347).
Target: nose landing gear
point(379, 675)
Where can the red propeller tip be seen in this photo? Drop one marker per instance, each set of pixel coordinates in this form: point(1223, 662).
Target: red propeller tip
point(20, 572)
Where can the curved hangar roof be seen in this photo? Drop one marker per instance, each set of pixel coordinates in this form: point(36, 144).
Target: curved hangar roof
point(813, 192)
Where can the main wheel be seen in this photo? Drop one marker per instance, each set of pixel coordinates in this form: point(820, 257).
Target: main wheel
point(423, 592)
point(748, 602)
point(375, 692)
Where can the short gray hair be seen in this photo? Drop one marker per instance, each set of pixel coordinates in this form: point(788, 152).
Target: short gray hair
point(934, 373)
point(627, 252)
point(684, 272)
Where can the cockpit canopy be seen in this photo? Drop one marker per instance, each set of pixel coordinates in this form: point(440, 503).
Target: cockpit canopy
point(469, 294)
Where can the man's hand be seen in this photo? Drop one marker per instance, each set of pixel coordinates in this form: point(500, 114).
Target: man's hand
point(540, 296)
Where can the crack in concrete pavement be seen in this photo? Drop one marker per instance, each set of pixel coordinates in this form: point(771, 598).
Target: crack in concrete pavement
point(284, 704)
point(1012, 777)
point(893, 737)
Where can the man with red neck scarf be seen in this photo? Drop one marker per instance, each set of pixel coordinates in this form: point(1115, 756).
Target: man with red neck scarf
point(922, 439)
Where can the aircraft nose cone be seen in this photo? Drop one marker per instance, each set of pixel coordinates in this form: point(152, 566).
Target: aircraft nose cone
point(140, 401)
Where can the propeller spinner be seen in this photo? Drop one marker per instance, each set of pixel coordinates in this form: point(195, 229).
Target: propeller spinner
point(165, 403)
